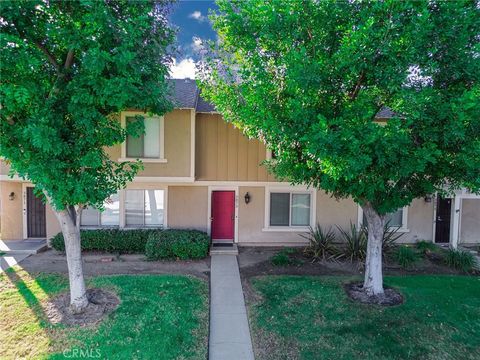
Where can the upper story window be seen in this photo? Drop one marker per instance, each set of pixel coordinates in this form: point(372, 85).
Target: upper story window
point(92, 217)
point(149, 147)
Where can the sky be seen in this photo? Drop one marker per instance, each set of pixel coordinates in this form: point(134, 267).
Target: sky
point(193, 28)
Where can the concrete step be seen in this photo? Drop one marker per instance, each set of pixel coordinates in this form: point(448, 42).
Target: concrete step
point(26, 247)
point(223, 249)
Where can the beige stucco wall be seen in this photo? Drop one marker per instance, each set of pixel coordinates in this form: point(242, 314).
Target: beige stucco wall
point(187, 207)
point(11, 211)
point(420, 222)
point(332, 212)
point(224, 153)
point(470, 221)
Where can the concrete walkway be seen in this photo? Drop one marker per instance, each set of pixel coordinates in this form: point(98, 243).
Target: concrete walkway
point(15, 251)
point(229, 330)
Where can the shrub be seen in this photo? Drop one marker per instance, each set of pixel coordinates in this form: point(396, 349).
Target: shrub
point(321, 244)
point(177, 244)
point(406, 256)
point(425, 246)
point(283, 258)
point(460, 260)
point(111, 240)
point(356, 242)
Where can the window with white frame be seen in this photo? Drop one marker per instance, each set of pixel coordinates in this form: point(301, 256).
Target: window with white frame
point(289, 209)
point(396, 219)
point(144, 208)
point(146, 145)
point(110, 216)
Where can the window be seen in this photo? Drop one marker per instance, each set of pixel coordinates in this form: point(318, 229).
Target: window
point(147, 145)
point(144, 208)
point(109, 217)
point(396, 219)
point(290, 209)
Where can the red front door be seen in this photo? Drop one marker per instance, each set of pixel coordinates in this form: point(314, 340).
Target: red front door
point(223, 215)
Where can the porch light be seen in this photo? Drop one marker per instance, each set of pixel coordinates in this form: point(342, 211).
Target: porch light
point(11, 197)
point(247, 198)
point(428, 198)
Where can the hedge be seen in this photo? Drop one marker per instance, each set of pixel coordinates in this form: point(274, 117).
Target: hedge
point(110, 240)
point(177, 244)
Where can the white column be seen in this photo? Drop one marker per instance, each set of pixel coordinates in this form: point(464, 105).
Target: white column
point(455, 222)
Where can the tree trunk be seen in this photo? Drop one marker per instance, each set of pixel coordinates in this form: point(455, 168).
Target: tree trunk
point(373, 283)
point(69, 222)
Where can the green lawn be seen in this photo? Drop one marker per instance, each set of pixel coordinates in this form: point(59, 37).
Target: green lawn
point(311, 318)
point(159, 317)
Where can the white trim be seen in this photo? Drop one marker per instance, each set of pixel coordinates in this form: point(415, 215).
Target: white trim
point(455, 221)
point(162, 179)
point(24, 210)
point(14, 178)
point(290, 190)
point(402, 229)
point(192, 144)
point(144, 160)
point(209, 208)
point(161, 138)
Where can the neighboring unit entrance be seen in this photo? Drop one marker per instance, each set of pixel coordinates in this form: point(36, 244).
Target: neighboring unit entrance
point(36, 224)
point(442, 222)
point(223, 215)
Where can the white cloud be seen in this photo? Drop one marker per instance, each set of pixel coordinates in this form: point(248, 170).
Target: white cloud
point(185, 69)
point(196, 44)
point(197, 15)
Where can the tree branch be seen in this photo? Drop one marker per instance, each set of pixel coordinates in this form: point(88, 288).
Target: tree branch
point(39, 45)
point(69, 60)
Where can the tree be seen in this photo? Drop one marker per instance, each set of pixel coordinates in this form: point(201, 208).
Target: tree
point(308, 78)
point(67, 67)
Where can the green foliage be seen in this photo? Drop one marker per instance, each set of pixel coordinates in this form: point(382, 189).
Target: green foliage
point(284, 258)
point(460, 260)
point(68, 69)
point(321, 244)
point(406, 256)
point(355, 242)
point(309, 78)
point(110, 240)
point(425, 246)
point(177, 244)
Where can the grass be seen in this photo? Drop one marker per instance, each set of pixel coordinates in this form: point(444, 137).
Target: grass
point(311, 318)
point(159, 317)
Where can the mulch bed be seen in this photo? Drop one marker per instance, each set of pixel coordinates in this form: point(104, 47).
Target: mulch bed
point(390, 297)
point(101, 303)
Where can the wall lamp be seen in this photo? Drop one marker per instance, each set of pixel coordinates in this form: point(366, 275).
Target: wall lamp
point(247, 198)
point(428, 198)
point(11, 197)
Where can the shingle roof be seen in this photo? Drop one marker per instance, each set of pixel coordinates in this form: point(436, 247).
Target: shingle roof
point(385, 113)
point(186, 95)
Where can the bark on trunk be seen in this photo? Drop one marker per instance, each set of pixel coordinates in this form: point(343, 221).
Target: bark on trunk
point(373, 283)
point(69, 221)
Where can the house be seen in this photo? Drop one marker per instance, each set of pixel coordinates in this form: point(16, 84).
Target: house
point(200, 172)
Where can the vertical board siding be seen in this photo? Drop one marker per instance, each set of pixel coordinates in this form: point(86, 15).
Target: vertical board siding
point(224, 153)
